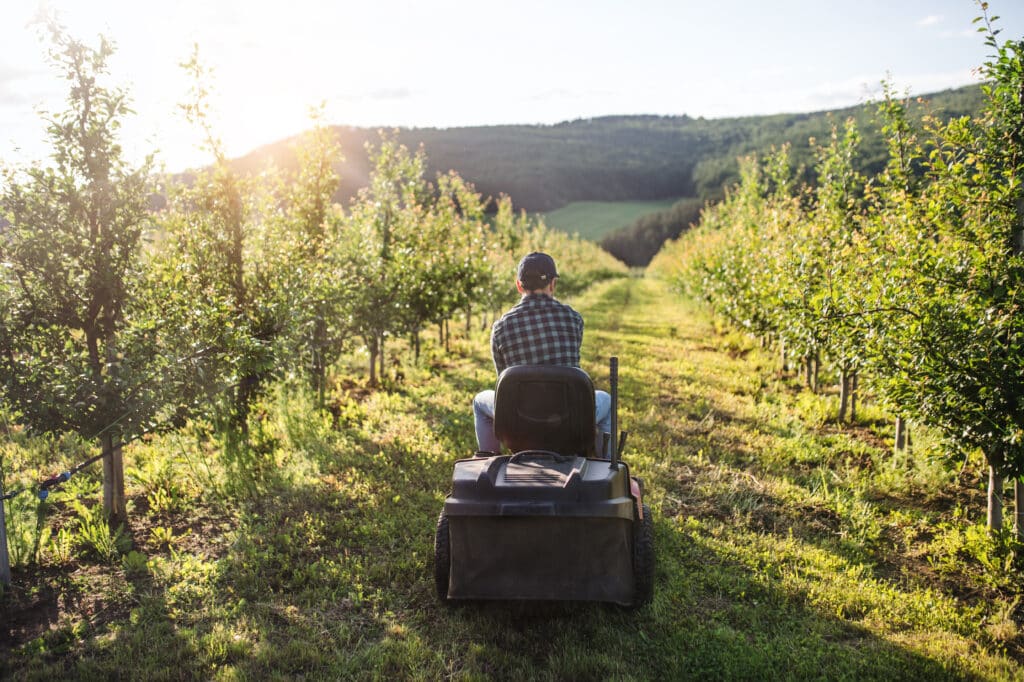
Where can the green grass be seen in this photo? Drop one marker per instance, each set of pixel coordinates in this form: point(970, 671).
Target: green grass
point(787, 548)
point(594, 219)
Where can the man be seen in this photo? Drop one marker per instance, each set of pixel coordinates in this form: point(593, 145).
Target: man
point(539, 330)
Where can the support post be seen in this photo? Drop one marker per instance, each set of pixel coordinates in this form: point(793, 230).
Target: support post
point(901, 434)
point(1018, 508)
point(995, 498)
point(5, 558)
point(613, 384)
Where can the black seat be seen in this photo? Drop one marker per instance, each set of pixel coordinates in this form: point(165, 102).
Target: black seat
point(545, 407)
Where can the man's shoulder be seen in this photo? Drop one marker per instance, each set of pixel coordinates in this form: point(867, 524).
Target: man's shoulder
point(535, 305)
point(568, 310)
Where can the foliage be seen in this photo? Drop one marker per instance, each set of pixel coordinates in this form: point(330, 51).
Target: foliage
point(915, 277)
point(96, 536)
point(321, 271)
point(223, 269)
point(957, 272)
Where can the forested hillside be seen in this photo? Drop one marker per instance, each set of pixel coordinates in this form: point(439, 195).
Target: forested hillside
point(544, 167)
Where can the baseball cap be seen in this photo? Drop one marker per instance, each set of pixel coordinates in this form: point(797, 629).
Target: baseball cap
point(536, 270)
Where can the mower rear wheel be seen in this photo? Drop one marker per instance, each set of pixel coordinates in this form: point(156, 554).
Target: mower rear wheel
point(442, 558)
point(643, 559)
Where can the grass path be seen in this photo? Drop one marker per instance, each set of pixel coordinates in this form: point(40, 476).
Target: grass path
point(785, 550)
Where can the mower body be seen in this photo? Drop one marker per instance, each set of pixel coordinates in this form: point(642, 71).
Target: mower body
point(550, 521)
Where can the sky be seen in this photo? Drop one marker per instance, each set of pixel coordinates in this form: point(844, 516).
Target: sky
point(452, 63)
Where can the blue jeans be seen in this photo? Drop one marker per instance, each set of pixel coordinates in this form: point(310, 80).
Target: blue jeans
point(483, 418)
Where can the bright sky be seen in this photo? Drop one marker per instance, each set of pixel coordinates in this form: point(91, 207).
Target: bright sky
point(447, 63)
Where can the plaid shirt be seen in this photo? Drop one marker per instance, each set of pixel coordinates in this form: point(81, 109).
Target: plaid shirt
point(537, 331)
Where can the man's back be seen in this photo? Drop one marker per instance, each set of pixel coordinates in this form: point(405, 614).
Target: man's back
point(539, 330)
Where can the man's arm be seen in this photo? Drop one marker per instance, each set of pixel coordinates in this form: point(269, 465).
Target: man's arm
point(499, 359)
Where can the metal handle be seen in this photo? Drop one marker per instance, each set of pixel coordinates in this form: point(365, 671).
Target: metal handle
point(613, 384)
point(538, 454)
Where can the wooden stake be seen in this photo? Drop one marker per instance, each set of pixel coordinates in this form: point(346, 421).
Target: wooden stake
point(5, 558)
point(995, 499)
point(1018, 508)
point(901, 434)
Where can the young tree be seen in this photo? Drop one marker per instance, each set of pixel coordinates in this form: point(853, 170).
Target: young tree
point(384, 222)
point(230, 269)
point(892, 207)
point(320, 272)
point(79, 352)
point(838, 240)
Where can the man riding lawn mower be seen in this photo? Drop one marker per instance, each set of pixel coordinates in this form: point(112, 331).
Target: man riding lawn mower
point(560, 518)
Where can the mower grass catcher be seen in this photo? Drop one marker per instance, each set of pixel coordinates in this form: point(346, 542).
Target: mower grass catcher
point(552, 521)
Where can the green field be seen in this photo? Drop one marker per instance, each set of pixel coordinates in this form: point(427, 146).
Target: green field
point(594, 219)
point(788, 547)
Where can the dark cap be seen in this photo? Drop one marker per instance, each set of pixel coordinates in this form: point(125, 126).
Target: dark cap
point(536, 270)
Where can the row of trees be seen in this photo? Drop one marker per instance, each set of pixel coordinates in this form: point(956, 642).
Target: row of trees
point(914, 277)
point(637, 243)
point(116, 320)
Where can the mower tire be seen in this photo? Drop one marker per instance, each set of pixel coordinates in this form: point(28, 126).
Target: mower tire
point(442, 558)
point(643, 559)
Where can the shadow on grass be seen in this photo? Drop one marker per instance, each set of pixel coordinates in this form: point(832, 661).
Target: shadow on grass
point(711, 619)
point(97, 621)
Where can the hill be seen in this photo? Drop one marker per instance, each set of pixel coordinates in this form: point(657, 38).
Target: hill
point(613, 158)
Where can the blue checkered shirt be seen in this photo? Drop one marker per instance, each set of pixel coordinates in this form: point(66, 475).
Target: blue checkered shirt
point(537, 331)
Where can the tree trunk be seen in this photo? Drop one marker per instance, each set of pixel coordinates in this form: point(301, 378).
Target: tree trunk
point(995, 499)
point(817, 366)
point(319, 369)
point(469, 319)
point(1018, 508)
point(782, 355)
point(381, 358)
point(844, 394)
point(244, 395)
point(5, 559)
point(113, 482)
point(316, 378)
point(440, 334)
point(373, 360)
point(853, 397)
point(812, 361)
point(447, 337)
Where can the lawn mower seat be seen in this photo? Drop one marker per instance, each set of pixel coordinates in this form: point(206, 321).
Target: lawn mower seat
point(545, 407)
